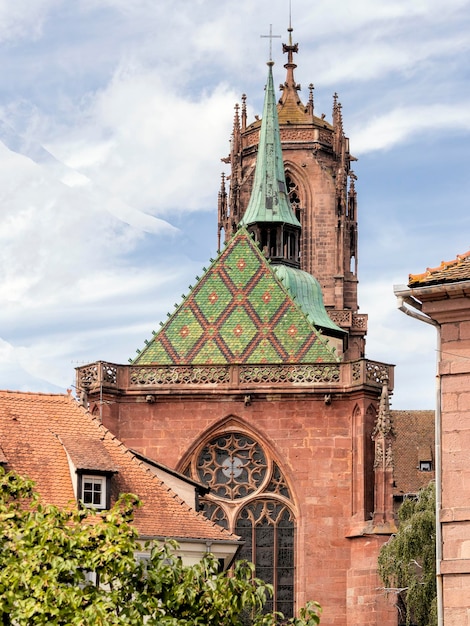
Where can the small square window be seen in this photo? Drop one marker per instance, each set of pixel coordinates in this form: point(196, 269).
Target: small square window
point(425, 466)
point(94, 491)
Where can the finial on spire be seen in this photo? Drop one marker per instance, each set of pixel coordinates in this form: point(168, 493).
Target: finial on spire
point(270, 37)
point(290, 48)
point(243, 112)
point(236, 117)
point(310, 106)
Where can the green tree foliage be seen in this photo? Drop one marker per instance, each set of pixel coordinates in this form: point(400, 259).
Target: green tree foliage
point(45, 553)
point(407, 562)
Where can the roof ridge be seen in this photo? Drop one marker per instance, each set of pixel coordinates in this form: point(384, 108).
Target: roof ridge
point(460, 258)
point(212, 317)
point(34, 393)
point(165, 487)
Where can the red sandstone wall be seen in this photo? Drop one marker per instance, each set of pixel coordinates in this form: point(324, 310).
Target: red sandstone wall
point(313, 444)
point(454, 316)
point(363, 607)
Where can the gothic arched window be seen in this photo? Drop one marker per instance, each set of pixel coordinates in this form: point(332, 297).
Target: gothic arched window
point(250, 497)
point(294, 198)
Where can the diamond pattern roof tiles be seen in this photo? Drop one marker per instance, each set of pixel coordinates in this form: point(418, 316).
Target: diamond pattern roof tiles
point(238, 312)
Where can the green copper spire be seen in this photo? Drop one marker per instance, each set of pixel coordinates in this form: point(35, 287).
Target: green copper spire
point(269, 202)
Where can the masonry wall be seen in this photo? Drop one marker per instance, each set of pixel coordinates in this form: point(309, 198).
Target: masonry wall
point(324, 242)
point(323, 450)
point(454, 370)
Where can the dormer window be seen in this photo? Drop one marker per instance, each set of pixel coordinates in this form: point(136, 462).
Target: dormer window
point(425, 459)
point(94, 491)
point(94, 488)
point(91, 470)
point(425, 466)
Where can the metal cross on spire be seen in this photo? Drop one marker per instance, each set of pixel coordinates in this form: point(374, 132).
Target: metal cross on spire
point(271, 37)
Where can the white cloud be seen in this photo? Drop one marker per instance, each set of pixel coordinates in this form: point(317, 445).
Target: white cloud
point(400, 125)
point(120, 111)
point(147, 144)
point(24, 19)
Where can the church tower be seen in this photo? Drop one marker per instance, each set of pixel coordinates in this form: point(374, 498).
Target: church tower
point(320, 185)
point(246, 387)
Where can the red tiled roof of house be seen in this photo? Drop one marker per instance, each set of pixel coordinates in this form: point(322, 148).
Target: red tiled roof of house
point(37, 429)
point(447, 272)
point(414, 443)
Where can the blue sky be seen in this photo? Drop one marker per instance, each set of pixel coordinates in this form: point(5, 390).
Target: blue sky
point(114, 116)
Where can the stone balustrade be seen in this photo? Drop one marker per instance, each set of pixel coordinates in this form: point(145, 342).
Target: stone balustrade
point(243, 377)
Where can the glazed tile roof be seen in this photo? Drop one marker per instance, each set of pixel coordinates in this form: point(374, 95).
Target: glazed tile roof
point(37, 429)
point(414, 443)
point(306, 290)
point(238, 312)
point(447, 272)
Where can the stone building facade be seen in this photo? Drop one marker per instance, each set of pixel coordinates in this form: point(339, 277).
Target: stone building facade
point(441, 296)
point(256, 384)
point(321, 187)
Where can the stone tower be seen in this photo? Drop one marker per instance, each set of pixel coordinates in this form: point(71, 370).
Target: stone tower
point(246, 389)
point(321, 189)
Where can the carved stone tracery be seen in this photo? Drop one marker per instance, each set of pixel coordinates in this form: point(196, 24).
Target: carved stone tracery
point(232, 465)
point(329, 372)
point(168, 375)
point(250, 497)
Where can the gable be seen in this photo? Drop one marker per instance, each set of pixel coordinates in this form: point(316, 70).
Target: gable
point(239, 312)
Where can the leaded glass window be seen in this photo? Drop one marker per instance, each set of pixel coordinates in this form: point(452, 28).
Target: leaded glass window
point(267, 528)
point(250, 497)
point(232, 465)
point(294, 198)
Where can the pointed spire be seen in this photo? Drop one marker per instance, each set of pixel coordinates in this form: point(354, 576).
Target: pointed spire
point(383, 435)
point(236, 129)
point(310, 106)
point(291, 108)
point(243, 112)
point(290, 66)
point(222, 209)
point(269, 201)
point(384, 422)
point(338, 125)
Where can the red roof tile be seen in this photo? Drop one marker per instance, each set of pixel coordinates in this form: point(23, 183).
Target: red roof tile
point(447, 272)
point(88, 454)
point(414, 443)
point(35, 431)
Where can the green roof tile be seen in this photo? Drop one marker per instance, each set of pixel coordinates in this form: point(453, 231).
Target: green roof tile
point(238, 312)
point(306, 290)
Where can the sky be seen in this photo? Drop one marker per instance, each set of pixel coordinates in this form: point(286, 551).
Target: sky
point(114, 117)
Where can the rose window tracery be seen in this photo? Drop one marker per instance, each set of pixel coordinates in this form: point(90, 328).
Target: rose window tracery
point(232, 465)
point(249, 496)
